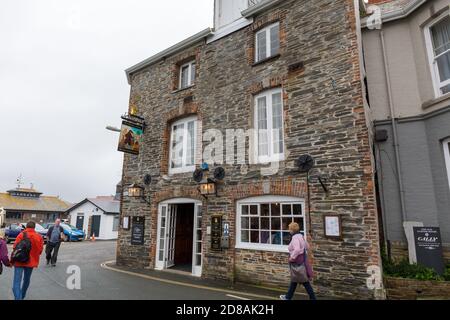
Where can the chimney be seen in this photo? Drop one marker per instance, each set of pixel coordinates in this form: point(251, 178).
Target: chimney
point(118, 191)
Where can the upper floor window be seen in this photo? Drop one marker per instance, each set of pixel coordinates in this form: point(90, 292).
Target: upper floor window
point(183, 145)
point(263, 222)
point(447, 157)
point(187, 75)
point(438, 43)
point(269, 126)
point(267, 42)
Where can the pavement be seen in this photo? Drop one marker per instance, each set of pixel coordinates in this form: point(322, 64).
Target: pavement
point(102, 280)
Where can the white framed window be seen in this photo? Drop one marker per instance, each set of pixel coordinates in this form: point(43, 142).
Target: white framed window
point(263, 222)
point(187, 75)
point(269, 131)
point(447, 157)
point(437, 36)
point(116, 221)
point(267, 42)
point(183, 145)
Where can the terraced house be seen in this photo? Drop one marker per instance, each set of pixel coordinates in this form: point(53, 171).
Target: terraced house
point(408, 76)
point(273, 81)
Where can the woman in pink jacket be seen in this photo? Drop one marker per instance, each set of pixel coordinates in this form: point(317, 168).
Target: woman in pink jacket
point(298, 249)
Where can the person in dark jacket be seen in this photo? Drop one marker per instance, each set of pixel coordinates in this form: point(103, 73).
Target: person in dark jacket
point(55, 235)
point(4, 260)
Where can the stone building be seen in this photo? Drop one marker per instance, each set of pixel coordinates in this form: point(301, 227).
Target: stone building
point(290, 70)
point(24, 204)
point(408, 74)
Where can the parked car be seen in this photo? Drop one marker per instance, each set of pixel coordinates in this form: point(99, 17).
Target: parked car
point(12, 231)
point(39, 229)
point(71, 232)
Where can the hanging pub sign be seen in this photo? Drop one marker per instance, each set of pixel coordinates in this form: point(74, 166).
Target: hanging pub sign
point(137, 231)
point(130, 137)
point(428, 244)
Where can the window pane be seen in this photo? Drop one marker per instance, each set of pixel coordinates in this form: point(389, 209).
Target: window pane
point(265, 210)
point(265, 224)
point(261, 46)
point(254, 223)
point(199, 235)
point(287, 209)
point(245, 236)
point(297, 209)
point(263, 147)
point(254, 210)
point(254, 236)
point(445, 89)
point(244, 210)
point(274, 40)
point(184, 77)
point(198, 260)
point(443, 63)
point(161, 255)
point(275, 209)
point(441, 36)
point(276, 238)
point(275, 224)
point(245, 223)
point(286, 238)
point(192, 73)
point(265, 237)
point(177, 146)
point(301, 223)
point(277, 123)
point(286, 223)
point(190, 144)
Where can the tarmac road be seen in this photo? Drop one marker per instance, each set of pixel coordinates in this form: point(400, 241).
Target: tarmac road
point(97, 283)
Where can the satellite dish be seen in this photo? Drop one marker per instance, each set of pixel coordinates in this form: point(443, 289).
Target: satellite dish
point(305, 163)
point(219, 173)
point(198, 175)
point(147, 179)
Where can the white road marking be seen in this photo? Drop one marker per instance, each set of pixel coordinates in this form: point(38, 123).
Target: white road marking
point(236, 297)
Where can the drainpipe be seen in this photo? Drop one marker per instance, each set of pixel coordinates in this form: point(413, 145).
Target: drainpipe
point(407, 225)
point(394, 130)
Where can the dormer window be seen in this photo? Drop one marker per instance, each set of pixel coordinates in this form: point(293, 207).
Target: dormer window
point(187, 75)
point(267, 42)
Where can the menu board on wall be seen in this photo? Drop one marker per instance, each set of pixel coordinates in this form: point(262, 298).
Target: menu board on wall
point(137, 231)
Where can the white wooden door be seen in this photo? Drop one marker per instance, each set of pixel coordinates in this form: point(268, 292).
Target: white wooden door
point(197, 241)
point(161, 243)
point(170, 236)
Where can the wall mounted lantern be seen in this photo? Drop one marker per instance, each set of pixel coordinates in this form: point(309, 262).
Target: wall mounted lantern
point(208, 186)
point(137, 191)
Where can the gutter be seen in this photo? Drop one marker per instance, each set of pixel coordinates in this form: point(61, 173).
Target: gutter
point(257, 8)
point(170, 51)
point(397, 14)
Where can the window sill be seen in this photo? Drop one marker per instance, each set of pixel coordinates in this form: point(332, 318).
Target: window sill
point(281, 249)
point(183, 89)
point(181, 171)
point(430, 103)
point(266, 60)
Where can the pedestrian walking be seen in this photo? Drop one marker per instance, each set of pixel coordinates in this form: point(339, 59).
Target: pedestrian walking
point(301, 270)
point(25, 257)
point(55, 235)
point(4, 260)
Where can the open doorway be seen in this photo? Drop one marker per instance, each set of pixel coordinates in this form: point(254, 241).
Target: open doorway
point(184, 231)
point(179, 245)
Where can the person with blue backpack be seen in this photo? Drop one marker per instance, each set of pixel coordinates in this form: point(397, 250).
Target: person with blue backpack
point(27, 250)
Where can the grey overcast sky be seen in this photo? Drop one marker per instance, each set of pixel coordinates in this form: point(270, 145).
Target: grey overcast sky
point(62, 81)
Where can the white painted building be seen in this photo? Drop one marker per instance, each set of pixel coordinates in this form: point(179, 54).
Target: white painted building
point(99, 216)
